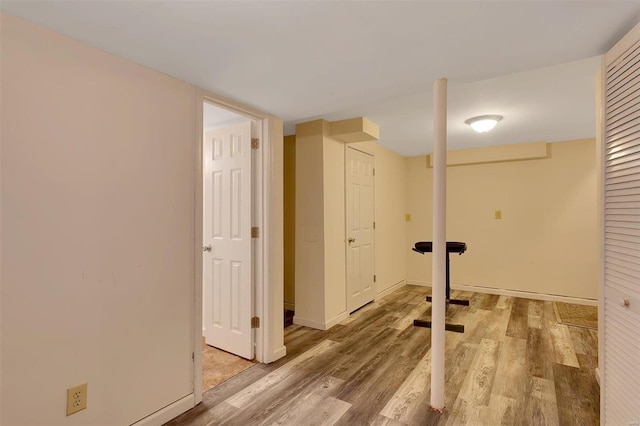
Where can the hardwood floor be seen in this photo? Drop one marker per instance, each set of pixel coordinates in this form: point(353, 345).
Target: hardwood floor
point(513, 365)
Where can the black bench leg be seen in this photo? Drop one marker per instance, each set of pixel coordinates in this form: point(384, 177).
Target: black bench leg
point(448, 290)
point(458, 328)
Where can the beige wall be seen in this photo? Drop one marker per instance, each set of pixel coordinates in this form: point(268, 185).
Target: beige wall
point(289, 220)
point(334, 229)
point(546, 241)
point(97, 238)
point(320, 263)
point(390, 203)
point(309, 231)
point(274, 347)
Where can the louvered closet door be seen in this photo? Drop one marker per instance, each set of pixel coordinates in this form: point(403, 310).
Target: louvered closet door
point(620, 335)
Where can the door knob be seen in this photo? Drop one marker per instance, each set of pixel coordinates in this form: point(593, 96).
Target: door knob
point(351, 240)
point(207, 248)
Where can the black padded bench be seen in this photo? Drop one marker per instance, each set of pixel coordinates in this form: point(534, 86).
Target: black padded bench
point(423, 247)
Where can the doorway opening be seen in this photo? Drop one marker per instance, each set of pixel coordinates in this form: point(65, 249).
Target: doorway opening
point(252, 325)
point(228, 251)
point(289, 215)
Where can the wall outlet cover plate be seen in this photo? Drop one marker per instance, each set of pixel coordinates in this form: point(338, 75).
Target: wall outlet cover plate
point(76, 399)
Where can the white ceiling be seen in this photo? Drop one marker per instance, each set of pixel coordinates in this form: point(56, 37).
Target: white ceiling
point(547, 104)
point(337, 59)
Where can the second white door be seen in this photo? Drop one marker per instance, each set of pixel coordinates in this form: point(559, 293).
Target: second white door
point(360, 226)
point(227, 262)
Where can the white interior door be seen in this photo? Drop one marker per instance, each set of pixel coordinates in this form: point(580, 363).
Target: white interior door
point(227, 262)
point(359, 238)
point(620, 305)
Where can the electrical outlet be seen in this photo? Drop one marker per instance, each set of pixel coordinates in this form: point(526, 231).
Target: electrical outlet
point(76, 399)
point(498, 214)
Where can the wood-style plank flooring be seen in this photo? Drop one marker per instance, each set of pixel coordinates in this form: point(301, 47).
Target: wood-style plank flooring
point(515, 365)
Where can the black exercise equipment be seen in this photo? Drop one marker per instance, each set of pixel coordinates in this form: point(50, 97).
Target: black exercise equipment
point(423, 247)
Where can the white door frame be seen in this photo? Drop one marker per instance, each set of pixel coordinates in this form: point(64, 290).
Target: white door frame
point(268, 216)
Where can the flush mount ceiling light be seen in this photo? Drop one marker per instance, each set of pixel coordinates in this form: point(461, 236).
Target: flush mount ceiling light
point(483, 123)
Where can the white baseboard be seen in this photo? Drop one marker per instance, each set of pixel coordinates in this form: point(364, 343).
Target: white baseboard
point(338, 318)
point(281, 352)
point(289, 306)
point(308, 323)
point(516, 293)
point(321, 325)
point(169, 412)
point(420, 283)
point(391, 289)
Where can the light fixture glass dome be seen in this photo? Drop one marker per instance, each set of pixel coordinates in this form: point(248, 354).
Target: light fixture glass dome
point(483, 123)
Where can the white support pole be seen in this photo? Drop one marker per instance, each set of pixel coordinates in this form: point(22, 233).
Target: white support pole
point(439, 258)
